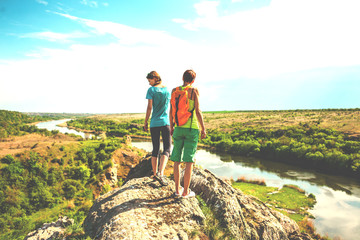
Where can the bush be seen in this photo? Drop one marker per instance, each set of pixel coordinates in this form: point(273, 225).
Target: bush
point(315, 158)
point(81, 173)
point(70, 188)
point(97, 167)
point(8, 159)
point(13, 173)
point(39, 194)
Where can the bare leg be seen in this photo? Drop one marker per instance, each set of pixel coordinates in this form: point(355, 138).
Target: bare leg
point(177, 176)
point(154, 164)
point(187, 177)
point(163, 162)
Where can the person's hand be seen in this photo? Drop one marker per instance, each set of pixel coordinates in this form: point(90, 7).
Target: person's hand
point(146, 127)
point(203, 134)
point(171, 130)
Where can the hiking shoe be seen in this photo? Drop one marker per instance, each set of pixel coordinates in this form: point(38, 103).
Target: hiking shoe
point(162, 179)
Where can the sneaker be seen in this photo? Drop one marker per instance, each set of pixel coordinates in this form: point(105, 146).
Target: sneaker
point(190, 194)
point(162, 179)
point(156, 176)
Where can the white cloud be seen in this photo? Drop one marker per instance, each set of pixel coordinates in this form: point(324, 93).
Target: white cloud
point(179, 20)
point(65, 15)
point(207, 9)
point(286, 36)
point(92, 4)
point(283, 37)
point(207, 12)
point(128, 35)
point(42, 2)
point(55, 37)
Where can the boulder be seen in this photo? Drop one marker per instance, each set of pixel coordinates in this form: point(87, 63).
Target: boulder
point(245, 216)
point(143, 209)
point(143, 169)
point(52, 230)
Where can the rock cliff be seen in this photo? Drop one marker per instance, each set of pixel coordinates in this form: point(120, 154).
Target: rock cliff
point(245, 216)
point(54, 230)
point(143, 209)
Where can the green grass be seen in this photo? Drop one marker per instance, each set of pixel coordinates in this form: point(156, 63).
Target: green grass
point(261, 192)
point(212, 224)
point(290, 200)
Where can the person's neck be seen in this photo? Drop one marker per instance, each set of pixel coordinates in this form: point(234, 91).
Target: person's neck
point(186, 84)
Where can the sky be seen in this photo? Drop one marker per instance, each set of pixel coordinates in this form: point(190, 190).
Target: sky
point(83, 56)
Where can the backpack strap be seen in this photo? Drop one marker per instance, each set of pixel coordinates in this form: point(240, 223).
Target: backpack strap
point(190, 98)
point(177, 106)
point(192, 91)
point(192, 111)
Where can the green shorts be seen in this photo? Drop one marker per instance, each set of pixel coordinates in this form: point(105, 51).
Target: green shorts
point(185, 142)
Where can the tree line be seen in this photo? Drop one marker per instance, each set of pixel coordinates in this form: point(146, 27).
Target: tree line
point(16, 124)
point(310, 146)
point(112, 128)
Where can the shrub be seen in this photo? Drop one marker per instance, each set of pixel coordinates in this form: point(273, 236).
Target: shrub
point(70, 188)
point(81, 173)
point(8, 159)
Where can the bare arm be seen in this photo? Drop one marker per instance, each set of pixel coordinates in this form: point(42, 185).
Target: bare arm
point(199, 114)
point(148, 112)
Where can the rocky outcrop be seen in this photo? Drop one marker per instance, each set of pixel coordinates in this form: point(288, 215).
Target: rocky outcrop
point(52, 230)
point(143, 169)
point(123, 160)
point(245, 216)
point(143, 209)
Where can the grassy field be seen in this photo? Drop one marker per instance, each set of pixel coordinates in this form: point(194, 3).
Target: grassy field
point(346, 121)
point(40, 143)
point(290, 200)
point(119, 118)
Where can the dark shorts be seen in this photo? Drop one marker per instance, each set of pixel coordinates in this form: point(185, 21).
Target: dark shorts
point(155, 138)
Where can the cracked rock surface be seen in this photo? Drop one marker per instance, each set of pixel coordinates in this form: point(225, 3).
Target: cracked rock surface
point(143, 209)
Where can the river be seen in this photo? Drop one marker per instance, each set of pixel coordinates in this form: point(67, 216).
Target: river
point(53, 125)
point(337, 211)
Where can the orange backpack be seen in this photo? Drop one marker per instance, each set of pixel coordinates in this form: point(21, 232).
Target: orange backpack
point(180, 105)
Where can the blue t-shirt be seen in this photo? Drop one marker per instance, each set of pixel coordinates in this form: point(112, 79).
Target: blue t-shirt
point(160, 111)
